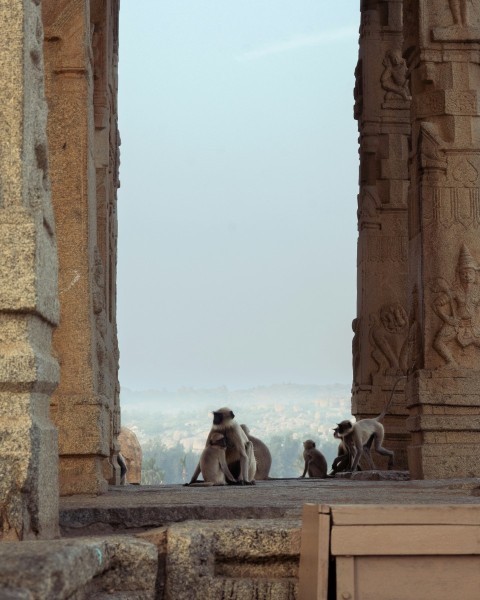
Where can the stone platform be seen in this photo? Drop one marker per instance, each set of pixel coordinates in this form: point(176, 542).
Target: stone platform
point(136, 508)
point(196, 543)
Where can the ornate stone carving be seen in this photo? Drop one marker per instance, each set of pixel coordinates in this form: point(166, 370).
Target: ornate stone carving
point(388, 336)
point(356, 349)
point(465, 26)
point(394, 78)
point(458, 306)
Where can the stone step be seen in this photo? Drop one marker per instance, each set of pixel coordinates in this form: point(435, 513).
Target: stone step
point(239, 560)
point(118, 567)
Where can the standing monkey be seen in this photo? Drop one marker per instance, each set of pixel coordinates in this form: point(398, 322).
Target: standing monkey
point(239, 454)
point(358, 436)
point(315, 462)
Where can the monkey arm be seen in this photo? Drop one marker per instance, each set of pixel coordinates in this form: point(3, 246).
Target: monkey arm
point(304, 470)
point(196, 473)
point(226, 470)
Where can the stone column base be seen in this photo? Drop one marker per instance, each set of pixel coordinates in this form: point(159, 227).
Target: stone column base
point(445, 424)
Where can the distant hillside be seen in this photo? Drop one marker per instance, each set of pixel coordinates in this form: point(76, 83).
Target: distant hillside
point(185, 415)
point(172, 426)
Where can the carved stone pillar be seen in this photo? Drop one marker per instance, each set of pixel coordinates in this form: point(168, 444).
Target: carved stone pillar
point(28, 284)
point(382, 104)
point(442, 44)
point(81, 39)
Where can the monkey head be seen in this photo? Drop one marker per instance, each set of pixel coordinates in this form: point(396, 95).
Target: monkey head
point(343, 428)
point(222, 416)
point(308, 444)
point(218, 439)
point(336, 435)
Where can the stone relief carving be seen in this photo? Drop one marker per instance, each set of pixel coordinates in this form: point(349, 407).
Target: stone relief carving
point(358, 91)
point(356, 349)
point(465, 26)
point(414, 341)
point(430, 148)
point(459, 12)
point(394, 78)
point(458, 306)
point(388, 336)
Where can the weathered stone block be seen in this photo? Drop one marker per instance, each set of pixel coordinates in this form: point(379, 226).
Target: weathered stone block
point(80, 569)
point(239, 560)
point(82, 475)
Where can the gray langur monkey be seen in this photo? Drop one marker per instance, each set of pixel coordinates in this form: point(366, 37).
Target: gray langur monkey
point(346, 452)
point(213, 463)
point(262, 455)
point(239, 453)
point(358, 436)
point(315, 462)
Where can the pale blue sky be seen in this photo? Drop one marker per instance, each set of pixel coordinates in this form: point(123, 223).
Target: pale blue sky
point(237, 209)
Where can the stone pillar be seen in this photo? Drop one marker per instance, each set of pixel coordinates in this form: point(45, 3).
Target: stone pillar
point(382, 105)
point(442, 44)
point(81, 39)
point(28, 284)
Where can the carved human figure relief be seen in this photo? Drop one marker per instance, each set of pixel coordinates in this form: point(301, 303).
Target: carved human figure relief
point(459, 12)
point(388, 336)
point(394, 78)
point(458, 307)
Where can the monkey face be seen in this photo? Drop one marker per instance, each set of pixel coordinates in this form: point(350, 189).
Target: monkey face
point(217, 418)
point(222, 415)
point(336, 434)
point(344, 428)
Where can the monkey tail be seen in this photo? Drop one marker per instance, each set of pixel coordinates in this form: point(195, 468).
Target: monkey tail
point(381, 416)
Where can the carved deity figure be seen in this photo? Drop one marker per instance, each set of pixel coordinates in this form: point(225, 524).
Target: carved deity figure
point(395, 76)
point(458, 307)
point(388, 337)
point(459, 12)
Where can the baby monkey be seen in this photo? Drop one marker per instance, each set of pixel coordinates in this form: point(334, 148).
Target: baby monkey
point(315, 463)
point(213, 462)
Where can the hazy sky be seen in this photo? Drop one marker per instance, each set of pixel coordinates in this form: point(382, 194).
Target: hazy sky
point(237, 207)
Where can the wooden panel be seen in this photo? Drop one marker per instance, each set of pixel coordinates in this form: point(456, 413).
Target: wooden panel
point(345, 578)
point(314, 553)
point(413, 578)
point(405, 515)
point(368, 540)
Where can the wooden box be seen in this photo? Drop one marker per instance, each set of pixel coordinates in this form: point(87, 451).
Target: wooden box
point(374, 552)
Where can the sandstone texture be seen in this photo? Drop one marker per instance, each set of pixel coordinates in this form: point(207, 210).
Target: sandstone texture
point(81, 569)
point(28, 285)
point(81, 55)
point(382, 109)
point(134, 508)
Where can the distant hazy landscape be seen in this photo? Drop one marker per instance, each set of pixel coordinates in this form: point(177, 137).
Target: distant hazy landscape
point(172, 426)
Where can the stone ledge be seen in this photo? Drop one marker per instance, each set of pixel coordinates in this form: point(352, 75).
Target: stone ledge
point(375, 476)
point(80, 569)
point(138, 508)
point(235, 560)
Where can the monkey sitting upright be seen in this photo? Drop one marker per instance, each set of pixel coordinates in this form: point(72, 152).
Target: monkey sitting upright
point(315, 462)
point(213, 464)
point(262, 455)
point(239, 453)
